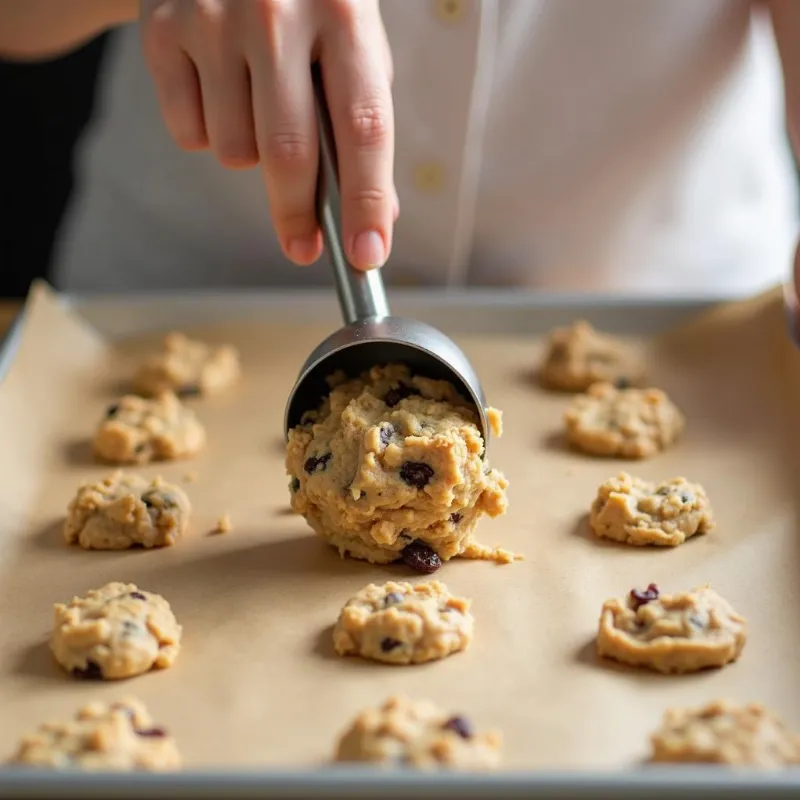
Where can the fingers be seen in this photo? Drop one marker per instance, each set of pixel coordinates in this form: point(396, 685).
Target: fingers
point(358, 90)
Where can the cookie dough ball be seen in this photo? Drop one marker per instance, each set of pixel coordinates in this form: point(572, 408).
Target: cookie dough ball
point(187, 367)
point(125, 511)
point(578, 356)
point(637, 512)
point(671, 633)
point(137, 430)
point(417, 734)
point(403, 624)
point(723, 733)
point(117, 631)
point(390, 468)
point(622, 423)
point(118, 736)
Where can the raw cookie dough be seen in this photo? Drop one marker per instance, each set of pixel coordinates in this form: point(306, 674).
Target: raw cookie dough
point(636, 512)
point(138, 430)
point(722, 733)
point(579, 356)
point(187, 367)
point(125, 511)
point(681, 632)
point(390, 468)
point(117, 631)
point(403, 624)
point(417, 734)
point(118, 736)
point(622, 423)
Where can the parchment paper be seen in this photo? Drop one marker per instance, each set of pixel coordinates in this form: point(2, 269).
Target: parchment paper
point(257, 683)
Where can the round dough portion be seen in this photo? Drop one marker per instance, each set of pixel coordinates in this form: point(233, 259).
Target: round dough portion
point(392, 461)
point(671, 633)
point(637, 512)
point(187, 367)
point(622, 423)
point(419, 735)
point(117, 631)
point(723, 733)
point(123, 511)
point(578, 356)
point(401, 623)
point(119, 736)
point(137, 430)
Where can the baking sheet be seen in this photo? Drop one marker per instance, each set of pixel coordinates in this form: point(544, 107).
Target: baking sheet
point(257, 684)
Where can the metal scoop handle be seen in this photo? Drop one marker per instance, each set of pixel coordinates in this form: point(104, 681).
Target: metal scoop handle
point(361, 294)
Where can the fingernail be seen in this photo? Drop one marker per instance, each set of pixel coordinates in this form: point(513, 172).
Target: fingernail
point(302, 250)
point(368, 250)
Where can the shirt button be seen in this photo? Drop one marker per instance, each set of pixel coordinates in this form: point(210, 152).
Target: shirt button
point(449, 10)
point(429, 177)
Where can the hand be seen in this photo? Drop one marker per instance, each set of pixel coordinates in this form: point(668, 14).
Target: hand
point(234, 76)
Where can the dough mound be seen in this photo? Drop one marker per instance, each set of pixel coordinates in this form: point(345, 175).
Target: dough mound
point(137, 431)
point(578, 356)
point(417, 734)
point(187, 367)
point(118, 736)
point(400, 623)
point(123, 511)
point(723, 733)
point(622, 423)
point(637, 512)
point(672, 633)
point(390, 468)
point(117, 631)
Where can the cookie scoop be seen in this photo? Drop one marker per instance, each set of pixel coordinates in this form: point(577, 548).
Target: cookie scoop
point(371, 334)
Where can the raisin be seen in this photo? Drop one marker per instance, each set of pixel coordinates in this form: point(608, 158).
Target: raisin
point(420, 557)
point(639, 599)
point(318, 464)
point(388, 644)
point(153, 733)
point(392, 598)
point(459, 725)
point(91, 672)
point(416, 474)
point(112, 411)
point(139, 448)
point(622, 383)
point(188, 390)
point(294, 486)
point(456, 517)
point(137, 596)
point(156, 499)
point(686, 497)
point(394, 396)
point(387, 431)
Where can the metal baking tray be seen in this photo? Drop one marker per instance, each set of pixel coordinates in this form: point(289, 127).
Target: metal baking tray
point(468, 311)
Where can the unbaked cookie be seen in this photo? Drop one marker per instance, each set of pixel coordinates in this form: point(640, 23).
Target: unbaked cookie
point(636, 512)
point(681, 632)
point(138, 430)
point(118, 736)
point(187, 367)
point(723, 733)
point(417, 734)
point(622, 423)
point(123, 511)
point(391, 468)
point(400, 623)
point(579, 356)
point(117, 631)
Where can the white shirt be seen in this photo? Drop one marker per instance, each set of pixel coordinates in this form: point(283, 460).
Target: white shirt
point(596, 145)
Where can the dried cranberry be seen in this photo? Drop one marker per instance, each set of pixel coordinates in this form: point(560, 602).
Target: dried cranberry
point(461, 726)
point(639, 599)
point(388, 644)
point(456, 517)
point(153, 733)
point(420, 557)
point(317, 464)
point(387, 431)
point(394, 396)
point(392, 598)
point(112, 411)
point(416, 474)
point(137, 596)
point(91, 672)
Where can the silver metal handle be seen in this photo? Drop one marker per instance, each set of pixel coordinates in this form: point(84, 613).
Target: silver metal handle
point(361, 294)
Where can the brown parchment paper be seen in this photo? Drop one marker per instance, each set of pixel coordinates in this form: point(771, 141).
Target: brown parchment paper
point(257, 683)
